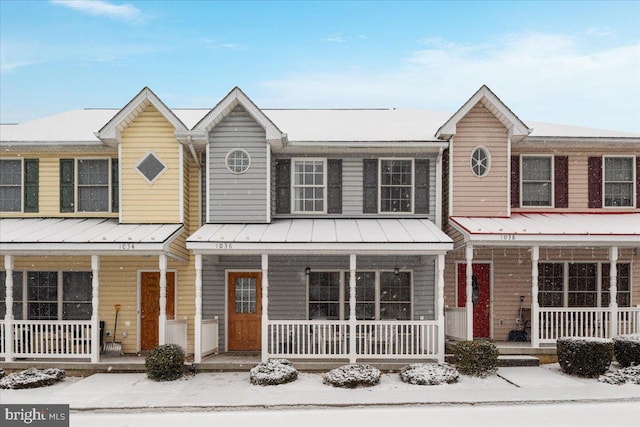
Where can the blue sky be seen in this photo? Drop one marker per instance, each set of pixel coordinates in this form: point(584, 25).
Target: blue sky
point(560, 62)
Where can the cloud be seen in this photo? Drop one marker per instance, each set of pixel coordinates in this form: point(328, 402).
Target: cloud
point(124, 12)
point(334, 39)
point(214, 44)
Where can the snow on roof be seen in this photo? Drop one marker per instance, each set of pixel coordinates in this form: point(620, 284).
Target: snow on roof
point(560, 131)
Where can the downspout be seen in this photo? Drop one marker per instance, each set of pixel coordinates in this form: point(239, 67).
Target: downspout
point(439, 189)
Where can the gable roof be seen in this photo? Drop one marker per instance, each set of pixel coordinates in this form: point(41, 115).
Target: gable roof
point(497, 108)
point(112, 130)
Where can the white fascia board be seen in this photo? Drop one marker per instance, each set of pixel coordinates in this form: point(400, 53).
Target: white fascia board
point(222, 247)
point(121, 248)
point(554, 241)
point(434, 145)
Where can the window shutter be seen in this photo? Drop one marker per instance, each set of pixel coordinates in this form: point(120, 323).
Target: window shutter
point(67, 185)
point(561, 181)
point(115, 186)
point(334, 186)
point(283, 186)
point(515, 181)
point(31, 175)
point(595, 182)
point(370, 186)
point(638, 181)
point(421, 205)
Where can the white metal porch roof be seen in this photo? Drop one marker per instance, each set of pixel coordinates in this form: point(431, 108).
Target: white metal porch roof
point(83, 236)
point(551, 229)
point(416, 236)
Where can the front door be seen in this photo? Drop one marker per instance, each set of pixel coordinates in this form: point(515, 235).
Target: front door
point(481, 284)
point(245, 311)
point(150, 306)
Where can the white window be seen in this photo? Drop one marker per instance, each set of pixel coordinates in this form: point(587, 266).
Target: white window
point(11, 185)
point(537, 180)
point(238, 161)
point(396, 185)
point(618, 181)
point(93, 185)
point(480, 161)
point(309, 185)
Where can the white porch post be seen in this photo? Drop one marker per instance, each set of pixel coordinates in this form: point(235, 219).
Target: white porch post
point(613, 290)
point(197, 347)
point(265, 307)
point(8, 316)
point(440, 305)
point(352, 308)
point(535, 307)
point(95, 319)
point(469, 290)
point(162, 318)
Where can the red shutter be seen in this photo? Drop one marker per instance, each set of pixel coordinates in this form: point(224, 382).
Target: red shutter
point(561, 181)
point(515, 181)
point(638, 181)
point(595, 182)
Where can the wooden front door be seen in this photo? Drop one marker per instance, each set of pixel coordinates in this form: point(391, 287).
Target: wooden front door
point(481, 283)
point(150, 306)
point(245, 311)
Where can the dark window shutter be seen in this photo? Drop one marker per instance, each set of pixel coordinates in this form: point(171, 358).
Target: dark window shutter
point(421, 205)
point(115, 186)
point(67, 185)
point(283, 186)
point(561, 181)
point(31, 185)
point(334, 186)
point(370, 186)
point(638, 181)
point(595, 182)
point(515, 181)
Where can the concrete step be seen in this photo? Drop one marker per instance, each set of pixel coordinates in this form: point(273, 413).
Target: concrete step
point(513, 360)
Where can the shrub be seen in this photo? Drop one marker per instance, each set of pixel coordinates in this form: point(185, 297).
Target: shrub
point(165, 363)
point(584, 357)
point(429, 374)
point(32, 378)
point(273, 372)
point(351, 376)
point(627, 349)
point(477, 358)
point(630, 374)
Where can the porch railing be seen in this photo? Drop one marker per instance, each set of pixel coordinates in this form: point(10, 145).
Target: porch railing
point(308, 338)
point(52, 339)
point(628, 320)
point(397, 339)
point(2, 338)
point(456, 323)
point(209, 336)
point(585, 322)
point(177, 333)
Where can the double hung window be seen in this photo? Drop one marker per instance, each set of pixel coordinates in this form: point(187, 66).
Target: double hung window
point(537, 180)
point(93, 185)
point(309, 185)
point(396, 185)
point(618, 181)
point(10, 185)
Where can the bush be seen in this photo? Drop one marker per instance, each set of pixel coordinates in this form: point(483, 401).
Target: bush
point(478, 358)
point(627, 349)
point(273, 372)
point(584, 357)
point(32, 378)
point(351, 376)
point(630, 374)
point(429, 374)
point(165, 363)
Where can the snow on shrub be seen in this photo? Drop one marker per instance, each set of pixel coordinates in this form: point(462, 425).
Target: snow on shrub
point(1, 373)
point(351, 376)
point(165, 363)
point(429, 374)
point(273, 372)
point(630, 374)
point(627, 349)
point(478, 358)
point(584, 357)
point(32, 378)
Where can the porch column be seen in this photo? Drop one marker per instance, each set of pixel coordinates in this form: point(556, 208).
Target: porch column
point(162, 318)
point(95, 320)
point(8, 316)
point(440, 304)
point(535, 307)
point(197, 347)
point(469, 290)
point(265, 307)
point(613, 290)
point(352, 308)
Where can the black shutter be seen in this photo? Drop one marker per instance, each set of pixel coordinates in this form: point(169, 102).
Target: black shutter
point(334, 186)
point(561, 181)
point(370, 186)
point(638, 181)
point(67, 185)
point(515, 181)
point(115, 186)
point(283, 186)
point(595, 182)
point(31, 176)
point(422, 186)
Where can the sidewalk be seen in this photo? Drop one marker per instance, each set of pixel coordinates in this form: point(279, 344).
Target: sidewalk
point(232, 390)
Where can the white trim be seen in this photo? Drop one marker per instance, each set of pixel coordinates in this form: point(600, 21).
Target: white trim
point(144, 157)
point(438, 196)
point(139, 300)
point(22, 171)
point(413, 185)
point(552, 180)
point(509, 135)
point(325, 198)
point(634, 190)
point(488, 166)
point(268, 192)
point(234, 248)
point(233, 150)
point(201, 220)
point(120, 183)
point(450, 170)
point(207, 213)
point(180, 181)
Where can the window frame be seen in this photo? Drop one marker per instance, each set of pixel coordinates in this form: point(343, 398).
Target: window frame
point(228, 155)
point(551, 181)
point(633, 181)
point(76, 185)
point(21, 204)
point(488, 154)
point(137, 168)
point(325, 200)
point(413, 185)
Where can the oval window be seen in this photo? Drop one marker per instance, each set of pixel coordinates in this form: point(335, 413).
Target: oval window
point(238, 161)
point(480, 161)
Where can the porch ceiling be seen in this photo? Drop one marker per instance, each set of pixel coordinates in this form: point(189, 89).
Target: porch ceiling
point(83, 236)
point(418, 236)
point(552, 229)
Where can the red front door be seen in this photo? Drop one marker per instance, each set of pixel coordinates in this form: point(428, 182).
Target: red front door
point(481, 284)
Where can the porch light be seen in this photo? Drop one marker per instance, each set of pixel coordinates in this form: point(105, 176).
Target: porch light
point(307, 271)
point(396, 271)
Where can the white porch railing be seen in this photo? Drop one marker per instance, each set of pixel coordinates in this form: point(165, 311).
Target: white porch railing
point(52, 339)
point(397, 339)
point(456, 323)
point(2, 339)
point(209, 336)
point(573, 322)
point(177, 333)
point(308, 338)
point(628, 320)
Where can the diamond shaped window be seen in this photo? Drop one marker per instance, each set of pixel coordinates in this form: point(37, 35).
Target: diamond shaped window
point(151, 167)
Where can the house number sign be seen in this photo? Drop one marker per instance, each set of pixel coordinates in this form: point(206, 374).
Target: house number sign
point(508, 237)
point(223, 245)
